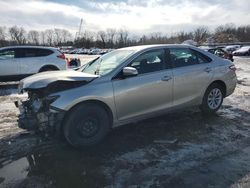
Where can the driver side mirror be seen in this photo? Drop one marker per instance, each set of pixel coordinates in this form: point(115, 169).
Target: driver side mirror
point(129, 71)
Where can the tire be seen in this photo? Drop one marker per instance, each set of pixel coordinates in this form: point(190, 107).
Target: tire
point(44, 69)
point(212, 99)
point(86, 125)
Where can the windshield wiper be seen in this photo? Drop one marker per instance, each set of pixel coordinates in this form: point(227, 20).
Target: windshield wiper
point(83, 67)
point(98, 67)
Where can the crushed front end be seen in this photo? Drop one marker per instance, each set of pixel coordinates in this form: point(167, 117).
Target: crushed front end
point(36, 113)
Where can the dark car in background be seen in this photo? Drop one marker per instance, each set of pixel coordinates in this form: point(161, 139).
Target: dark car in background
point(219, 51)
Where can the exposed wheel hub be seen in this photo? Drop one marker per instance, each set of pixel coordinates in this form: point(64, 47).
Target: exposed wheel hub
point(88, 127)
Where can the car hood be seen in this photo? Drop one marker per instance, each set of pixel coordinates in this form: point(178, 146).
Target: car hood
point(42, 80)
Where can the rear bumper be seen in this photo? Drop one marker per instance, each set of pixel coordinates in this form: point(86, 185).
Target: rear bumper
point(231, 85)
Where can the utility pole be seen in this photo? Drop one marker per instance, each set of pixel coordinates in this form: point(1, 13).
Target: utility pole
point(79, 33)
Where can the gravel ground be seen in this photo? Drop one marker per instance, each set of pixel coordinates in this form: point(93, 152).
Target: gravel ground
point(184, 149)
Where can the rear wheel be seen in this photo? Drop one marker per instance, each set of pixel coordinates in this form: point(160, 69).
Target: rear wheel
point(86, 125)
point(212, 99)
point(48, 68)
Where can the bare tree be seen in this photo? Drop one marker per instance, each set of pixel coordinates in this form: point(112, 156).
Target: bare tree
point(122, 37)
point(17, 34)
point(87, 40)
point(182, 36)
point(103, 37)
point(66, 35)
point(49, 36)
point(33, 37)
point(226, 33)
point(58, 36)
point(156, 38)
point(3, 40)
point(200, 35)
point(2, 33)
point(43, 38)
point(143, 40)
point(111, 37)
point(243, 33)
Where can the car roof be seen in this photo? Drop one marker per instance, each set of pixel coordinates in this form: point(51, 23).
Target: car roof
point(232, 46)
point(143, 47)
point(26, 46)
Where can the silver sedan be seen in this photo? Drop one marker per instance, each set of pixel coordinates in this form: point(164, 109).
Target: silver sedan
point(123, 86)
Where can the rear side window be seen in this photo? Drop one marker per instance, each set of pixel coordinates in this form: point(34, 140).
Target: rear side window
point(181, 57)
point(32, 52)
point(201, 57)
point(44, 52)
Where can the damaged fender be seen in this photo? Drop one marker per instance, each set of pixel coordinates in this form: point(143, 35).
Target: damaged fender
point(36, 112)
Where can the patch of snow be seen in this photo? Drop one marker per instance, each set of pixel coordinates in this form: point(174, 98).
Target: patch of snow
point(229, 113)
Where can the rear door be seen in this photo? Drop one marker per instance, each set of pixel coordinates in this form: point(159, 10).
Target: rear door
point(8, 64)
point(32, 59)
point(192, 73)
point(149, 91)
point(27, 61)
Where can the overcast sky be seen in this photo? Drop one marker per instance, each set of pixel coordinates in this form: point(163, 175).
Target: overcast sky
point(137, 16)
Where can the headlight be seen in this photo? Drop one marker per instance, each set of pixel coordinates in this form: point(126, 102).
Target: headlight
point(51, 99)
point(36, 105)
point(42, 104)
point(48, 100)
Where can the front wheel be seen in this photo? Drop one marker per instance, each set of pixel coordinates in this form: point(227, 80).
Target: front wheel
point(212, 99)
point(86, 125)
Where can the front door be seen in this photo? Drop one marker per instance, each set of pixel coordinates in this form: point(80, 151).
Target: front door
point(8, 64)
point(149, 91)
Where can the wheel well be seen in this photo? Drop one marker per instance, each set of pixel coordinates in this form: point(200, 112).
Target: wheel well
point(222, 84)
point(46, 67)
point(100, 103)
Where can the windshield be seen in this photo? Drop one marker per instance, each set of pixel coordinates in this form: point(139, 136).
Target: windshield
point(107, 62)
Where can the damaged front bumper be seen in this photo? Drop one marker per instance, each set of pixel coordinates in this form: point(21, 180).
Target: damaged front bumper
point(48, 121)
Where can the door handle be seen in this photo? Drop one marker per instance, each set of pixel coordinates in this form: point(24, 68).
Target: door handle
point(208, 69)
point(166, 78)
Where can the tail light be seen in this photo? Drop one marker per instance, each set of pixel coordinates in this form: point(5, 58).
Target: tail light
point(62, 56)
point(232, 67)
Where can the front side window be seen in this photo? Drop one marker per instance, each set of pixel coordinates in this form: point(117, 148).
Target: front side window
point(107, 62)
point(7, 54)
point(149, 61)
point(181, 57)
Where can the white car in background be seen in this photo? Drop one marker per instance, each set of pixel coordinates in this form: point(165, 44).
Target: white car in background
point(232, 48)
point(17, 62)
point(243, 51)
